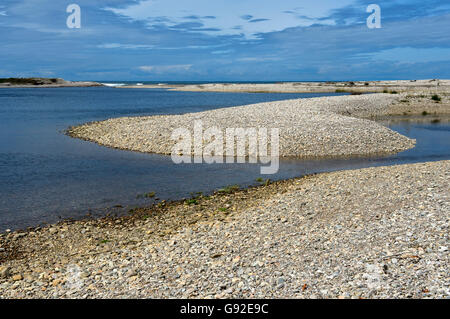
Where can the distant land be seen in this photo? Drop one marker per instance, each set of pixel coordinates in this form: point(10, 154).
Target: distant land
point(43, 82)
point(395, 86)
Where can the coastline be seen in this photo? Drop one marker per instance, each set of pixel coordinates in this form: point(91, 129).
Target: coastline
point(340, 234)
point(432, 85)
point(365, 233)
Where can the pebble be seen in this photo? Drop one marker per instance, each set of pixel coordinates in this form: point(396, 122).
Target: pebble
point(4, 271)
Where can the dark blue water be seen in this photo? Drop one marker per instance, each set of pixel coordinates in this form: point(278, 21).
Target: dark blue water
point(46, 175)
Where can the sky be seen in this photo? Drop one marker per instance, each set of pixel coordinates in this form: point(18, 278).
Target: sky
point(225, 40)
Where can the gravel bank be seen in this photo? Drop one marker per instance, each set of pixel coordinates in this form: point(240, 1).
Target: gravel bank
point(425, 86)
point(372, 233)
point(318, 127)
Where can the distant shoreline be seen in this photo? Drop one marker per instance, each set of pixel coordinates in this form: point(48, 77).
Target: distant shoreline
point(43, 83)
point(355, 87)
point(432, 85)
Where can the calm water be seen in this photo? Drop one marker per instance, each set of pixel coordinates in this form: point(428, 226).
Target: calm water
point(45, 175)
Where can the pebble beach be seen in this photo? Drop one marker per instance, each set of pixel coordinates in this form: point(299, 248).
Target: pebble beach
point(379, 232)
point(369, 233)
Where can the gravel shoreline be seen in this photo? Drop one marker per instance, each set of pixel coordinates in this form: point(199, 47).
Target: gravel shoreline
point(378, 232)
point(336, 126)
point(425, 86)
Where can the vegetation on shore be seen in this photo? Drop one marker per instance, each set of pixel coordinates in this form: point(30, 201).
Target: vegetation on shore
point(30, 81)
point(436, 98)
point(44, 82)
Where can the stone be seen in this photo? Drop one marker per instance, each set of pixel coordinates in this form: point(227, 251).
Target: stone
point(17, 277)
point(5, 272)
point(18, 235)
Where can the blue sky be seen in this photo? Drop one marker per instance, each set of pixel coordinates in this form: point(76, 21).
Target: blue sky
point(228, 40)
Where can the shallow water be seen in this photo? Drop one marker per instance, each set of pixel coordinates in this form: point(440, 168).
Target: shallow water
point(45, 175)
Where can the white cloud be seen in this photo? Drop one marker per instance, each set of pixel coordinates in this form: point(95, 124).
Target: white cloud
point(124, 46)
point(258, 59)
point(225, 17)
point(223, 51)
point(412, 55)
point(159, 69)
point(151, 46)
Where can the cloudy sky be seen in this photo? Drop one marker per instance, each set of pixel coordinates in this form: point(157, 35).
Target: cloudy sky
point(227, 40)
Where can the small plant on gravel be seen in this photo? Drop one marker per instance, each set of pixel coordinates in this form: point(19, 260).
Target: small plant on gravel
point(161, 204)
point(223, 209)
point(192, 201)
point(262, 181)
point(393, 92)
point(197, 195)
point(424, 113)
point(436, 98)
point(229, 189)
point(132, 209)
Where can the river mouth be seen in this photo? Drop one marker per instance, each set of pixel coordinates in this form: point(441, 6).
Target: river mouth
point(55, 177)
point(153, 173)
